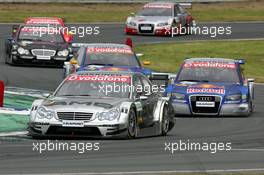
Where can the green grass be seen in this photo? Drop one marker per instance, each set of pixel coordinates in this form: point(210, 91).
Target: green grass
point(18, 101)
point(231, 11)
point(10, 122)
point(168, 57)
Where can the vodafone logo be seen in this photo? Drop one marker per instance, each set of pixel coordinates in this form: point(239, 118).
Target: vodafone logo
point(100, 78)
point(209, 65)
point(166, 6)
point(109, 50)
point(42, 21)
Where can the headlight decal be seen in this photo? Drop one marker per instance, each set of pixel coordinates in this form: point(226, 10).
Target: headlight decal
point(63, 53)
point(22, 51)
point(109, 115)
point(133, 23)
point(234, 97)
point(178, 96)
point(162, 24)
point(43, 113)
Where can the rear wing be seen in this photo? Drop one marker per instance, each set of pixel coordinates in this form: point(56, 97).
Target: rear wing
point(78, 45)
point(186, 5)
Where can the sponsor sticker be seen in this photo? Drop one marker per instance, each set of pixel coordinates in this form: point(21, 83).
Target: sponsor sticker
point(72, 123)
point(40, 29)
point(100, 78)
point(42, 21)
point(206, 88)
point(109, 50)
point(145, 28)
point(205, 104)
point(209, 65)
point(43, 57)
point(139, 106)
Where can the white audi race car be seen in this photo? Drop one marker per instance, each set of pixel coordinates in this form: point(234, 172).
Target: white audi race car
point(108, 104)
point(161, 18)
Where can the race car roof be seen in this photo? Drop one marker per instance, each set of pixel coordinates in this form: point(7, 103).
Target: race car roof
point(220, 60)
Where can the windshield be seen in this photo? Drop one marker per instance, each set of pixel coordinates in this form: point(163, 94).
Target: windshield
point(204, 73)
point(40, 34)
point(95, 85)
point(111, 58)
point(155, 12)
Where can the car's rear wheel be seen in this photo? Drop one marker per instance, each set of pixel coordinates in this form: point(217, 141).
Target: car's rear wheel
point(132, 124)
point(165, 123)
point(189, 27)
point(251, 106)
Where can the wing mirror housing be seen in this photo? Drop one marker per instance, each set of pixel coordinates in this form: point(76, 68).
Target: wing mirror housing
point(250, 80)
point(143, 97)
point(139, 54)
point(73, 61)
point(132, 14)
point(46, 95)
point(146, 62)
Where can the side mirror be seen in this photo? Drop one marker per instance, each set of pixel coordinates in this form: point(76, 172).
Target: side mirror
point(146, 63)
point(139, 54)
point(73, 61)
point(143, 97)
point(132, 14)
point(250, 80)
point(70, 33)
point(46, 95)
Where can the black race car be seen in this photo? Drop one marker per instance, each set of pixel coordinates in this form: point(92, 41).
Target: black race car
point(37, 44)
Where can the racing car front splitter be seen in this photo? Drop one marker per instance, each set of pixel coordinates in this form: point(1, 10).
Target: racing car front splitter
point(107, 130)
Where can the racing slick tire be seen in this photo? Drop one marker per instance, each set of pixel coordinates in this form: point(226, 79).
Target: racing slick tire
point(165, 122)
point(132, 124)
point(9, 59)
point(34, 135)
point(188, 28)
point(251, 104)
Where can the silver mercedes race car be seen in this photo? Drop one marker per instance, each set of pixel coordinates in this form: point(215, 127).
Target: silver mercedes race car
point(161, 18)
point(105, 103)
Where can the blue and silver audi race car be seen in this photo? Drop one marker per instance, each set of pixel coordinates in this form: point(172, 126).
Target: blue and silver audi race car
point(110, 57)
point(211, 86)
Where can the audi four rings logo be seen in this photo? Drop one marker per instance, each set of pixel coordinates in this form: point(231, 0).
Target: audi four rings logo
point(205, 98)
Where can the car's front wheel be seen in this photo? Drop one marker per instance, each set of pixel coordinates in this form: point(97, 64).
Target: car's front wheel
point(165, 122)
point(10, 60)
point(132, 124)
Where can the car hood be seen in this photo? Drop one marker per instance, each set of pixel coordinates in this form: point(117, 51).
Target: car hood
point(116, 68)
point(205, 88)
point(151, 19)
point(42, 45)
point(82, 103)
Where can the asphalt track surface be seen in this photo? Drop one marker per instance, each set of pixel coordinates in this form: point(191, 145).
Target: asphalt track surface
point(145, 154)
